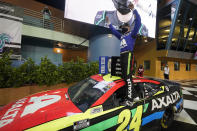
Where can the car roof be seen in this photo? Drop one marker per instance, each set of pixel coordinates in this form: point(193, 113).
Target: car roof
point(114, 83)
point(117, 79)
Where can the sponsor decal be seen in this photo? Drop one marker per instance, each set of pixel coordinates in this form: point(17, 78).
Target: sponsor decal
point(3, 39)
point(165, 101)
point(40, 102)
point(123, 43)
point(10, 115)
point(103, 86)
point(103, 64)
point(116, 69)
point(96, 110)
point(129, 88)
point(81, 124)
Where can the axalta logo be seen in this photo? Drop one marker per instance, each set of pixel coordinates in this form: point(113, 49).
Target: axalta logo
point(129, 88)
point(165, 101)
point(3, 39)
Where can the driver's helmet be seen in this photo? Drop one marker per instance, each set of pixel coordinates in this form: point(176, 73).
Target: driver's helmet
point(122, 6)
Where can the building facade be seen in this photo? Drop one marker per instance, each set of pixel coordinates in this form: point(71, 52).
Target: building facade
point(175, 42)
point(53, 38)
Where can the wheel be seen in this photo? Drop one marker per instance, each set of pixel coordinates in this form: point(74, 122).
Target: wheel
point(167, 119)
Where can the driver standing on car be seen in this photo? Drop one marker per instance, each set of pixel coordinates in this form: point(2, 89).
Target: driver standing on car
point(127, 38)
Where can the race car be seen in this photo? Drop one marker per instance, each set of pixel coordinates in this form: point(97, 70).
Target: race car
point(95, 104)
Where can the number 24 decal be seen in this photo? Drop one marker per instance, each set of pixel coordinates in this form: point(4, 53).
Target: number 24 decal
point(124, 118)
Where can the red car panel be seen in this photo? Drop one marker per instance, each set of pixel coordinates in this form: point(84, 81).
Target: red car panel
point(36, 109)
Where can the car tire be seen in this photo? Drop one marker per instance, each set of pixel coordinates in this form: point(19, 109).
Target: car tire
point(167, 119)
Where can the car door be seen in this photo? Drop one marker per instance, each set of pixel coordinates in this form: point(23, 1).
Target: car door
point(113, 115)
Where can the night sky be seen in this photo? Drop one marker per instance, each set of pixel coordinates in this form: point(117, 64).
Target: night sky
point(59, 4)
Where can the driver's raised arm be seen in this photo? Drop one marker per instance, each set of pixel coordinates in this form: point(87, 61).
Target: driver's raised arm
point(114, 31)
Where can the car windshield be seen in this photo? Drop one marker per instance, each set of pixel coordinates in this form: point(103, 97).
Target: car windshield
point(84, 93)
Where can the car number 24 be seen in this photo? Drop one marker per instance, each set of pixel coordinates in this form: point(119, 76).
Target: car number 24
point(124, 119)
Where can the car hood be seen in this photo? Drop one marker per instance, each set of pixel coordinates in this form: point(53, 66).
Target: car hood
point(36, 109)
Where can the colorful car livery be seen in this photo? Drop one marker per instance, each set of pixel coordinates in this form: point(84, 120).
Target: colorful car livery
point(96, 103)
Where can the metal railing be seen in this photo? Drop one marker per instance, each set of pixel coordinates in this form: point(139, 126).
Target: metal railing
point(37, 19)
point(6, 8)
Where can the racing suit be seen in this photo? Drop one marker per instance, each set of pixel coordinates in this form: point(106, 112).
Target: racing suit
point(126, 54)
